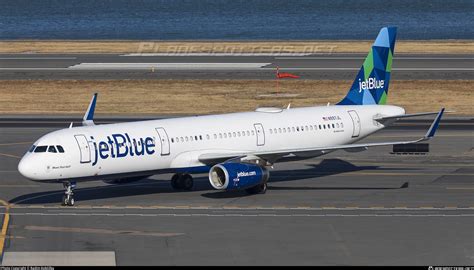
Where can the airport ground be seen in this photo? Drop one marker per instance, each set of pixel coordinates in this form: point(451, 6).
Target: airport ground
point(368, 208)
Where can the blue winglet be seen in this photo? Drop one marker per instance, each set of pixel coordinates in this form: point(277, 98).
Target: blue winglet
point(431, 132)
point(88, 119)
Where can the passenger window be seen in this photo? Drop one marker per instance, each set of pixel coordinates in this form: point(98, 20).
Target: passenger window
point(332, 125)
point(311, 127)
point(271, 131)
point(208, 137)
point(60, 148)
point(225, 135)
point(293, 129)
point(253, 132)
point(181, 139)
point(187, 138)
point(320, 127)
point(172, 140)
point(342, 125)
point(248, 133)
point(238, 133)
point(234, 134)
point(41, 149)
point(297, 128)
point(191, 138)
point(52, 149)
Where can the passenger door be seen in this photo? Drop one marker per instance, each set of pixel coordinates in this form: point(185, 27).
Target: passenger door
point(83, 148)
point(355, 123)
point(260, 134)
point(164, 141)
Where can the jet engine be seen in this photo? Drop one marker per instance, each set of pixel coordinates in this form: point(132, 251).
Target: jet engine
point(237, 176)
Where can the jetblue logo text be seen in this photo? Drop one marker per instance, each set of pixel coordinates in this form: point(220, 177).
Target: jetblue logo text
point(121, 145)
point(370, 83)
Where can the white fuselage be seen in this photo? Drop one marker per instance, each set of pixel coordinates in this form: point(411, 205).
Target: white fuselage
point(149, 147)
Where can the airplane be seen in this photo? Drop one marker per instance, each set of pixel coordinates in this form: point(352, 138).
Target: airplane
point(235, 149)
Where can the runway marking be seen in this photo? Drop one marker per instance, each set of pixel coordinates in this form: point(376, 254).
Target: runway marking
point(399, 69)
point(6, 220)
point(36, 58)
point(460, 188)
point(338, 173)
point(18, 186)
point(159, 66)
point(8, 155)
point(231, 66)
point(362, 58)
point(99, 231)
point(375, 163)
point(215, 54)
point(241, 215)
point(15, 143)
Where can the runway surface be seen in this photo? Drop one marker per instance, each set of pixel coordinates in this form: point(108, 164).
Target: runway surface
point(215, 66)
point(368, 208)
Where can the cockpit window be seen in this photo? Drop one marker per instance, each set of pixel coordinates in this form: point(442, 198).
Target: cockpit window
point(60, 148)
point(52, 149)
point(32, 148)
point(41, 149)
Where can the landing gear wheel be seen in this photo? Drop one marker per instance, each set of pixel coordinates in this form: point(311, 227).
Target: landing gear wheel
point(182, 182)
point(259, 189)
point(175, 181)
point(68, 197)
point(188, 182)
point(64, 200)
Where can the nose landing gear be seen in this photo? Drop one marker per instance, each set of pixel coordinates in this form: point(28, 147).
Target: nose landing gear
point(68, 197)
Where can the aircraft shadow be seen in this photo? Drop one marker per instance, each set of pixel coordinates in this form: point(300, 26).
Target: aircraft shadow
point(149, 186)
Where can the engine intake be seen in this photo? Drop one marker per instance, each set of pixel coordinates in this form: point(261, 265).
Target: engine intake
point(236, 176)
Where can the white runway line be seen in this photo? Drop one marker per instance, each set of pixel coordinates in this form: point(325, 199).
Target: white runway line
point(399, 69)
point(241, 215)
point(216, 54)
point(362, 58)
point(37, 58)
point(168, 66)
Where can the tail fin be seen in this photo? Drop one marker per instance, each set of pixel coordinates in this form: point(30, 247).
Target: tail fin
point(371, 84)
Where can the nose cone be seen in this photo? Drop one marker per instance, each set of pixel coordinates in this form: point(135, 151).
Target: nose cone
point(26, 168)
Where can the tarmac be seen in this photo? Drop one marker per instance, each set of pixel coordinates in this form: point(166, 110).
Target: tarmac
point(367, 208)
point(215, 66)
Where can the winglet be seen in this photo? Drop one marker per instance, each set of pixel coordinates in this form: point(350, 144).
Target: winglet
point(434, 126)
point(88, 119)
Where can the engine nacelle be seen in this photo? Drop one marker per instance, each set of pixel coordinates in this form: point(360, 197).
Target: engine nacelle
point(236, 176)
point(125, 180)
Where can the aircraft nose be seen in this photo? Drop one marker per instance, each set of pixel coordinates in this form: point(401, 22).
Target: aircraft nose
point(25, 168)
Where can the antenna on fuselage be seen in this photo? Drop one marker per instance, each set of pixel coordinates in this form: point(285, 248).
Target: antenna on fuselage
point(70, 126)
point(88, 119)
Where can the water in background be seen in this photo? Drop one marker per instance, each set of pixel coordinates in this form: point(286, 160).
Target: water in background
point(233, 19)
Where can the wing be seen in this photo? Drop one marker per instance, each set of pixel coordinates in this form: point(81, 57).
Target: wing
point(214, 158)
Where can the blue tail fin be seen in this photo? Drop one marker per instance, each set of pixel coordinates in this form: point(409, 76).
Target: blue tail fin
point(371, 84)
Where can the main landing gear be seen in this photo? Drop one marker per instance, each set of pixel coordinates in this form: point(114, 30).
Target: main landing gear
point(182, 181)
point(68, 197)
